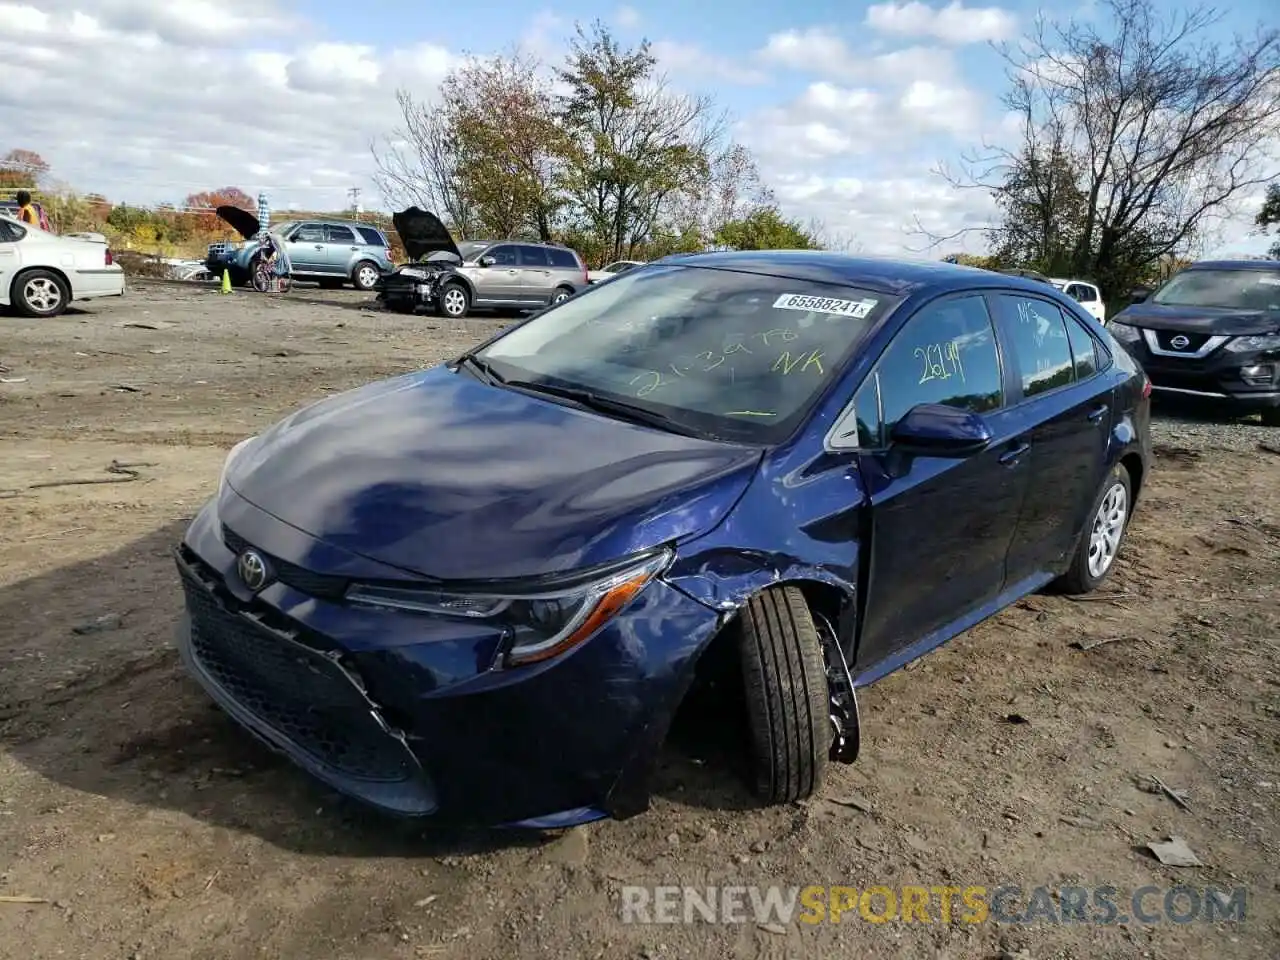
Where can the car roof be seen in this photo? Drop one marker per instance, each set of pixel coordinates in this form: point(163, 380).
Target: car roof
point(1234, 265)
point(900, 276)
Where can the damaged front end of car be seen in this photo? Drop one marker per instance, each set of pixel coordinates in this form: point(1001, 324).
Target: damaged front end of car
point(433, 257)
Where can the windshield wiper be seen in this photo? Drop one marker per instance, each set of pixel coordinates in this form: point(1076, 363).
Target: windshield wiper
point(483, 367)
point(618, 408)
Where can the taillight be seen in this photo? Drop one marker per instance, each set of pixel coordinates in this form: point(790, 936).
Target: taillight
point(1146, 386)
point(107, 256)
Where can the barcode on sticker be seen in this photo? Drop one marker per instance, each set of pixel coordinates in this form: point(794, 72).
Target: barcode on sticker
point(847, 308)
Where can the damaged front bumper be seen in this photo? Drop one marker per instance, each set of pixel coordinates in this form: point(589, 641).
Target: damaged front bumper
point(409, 287)
point(402, 711)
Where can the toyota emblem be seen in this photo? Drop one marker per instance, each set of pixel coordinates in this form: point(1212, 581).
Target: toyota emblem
point(252, 569)
point(1180, 342)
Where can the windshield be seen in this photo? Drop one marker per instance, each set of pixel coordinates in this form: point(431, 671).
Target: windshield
point(729, 354)
point(1231, 289)
point(470, 249)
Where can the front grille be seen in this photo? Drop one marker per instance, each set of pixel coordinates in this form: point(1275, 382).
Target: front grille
point(292, 689)
point(322, 585)
point(1195, 340)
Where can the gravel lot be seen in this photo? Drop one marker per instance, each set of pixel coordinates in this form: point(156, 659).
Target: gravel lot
point(147, 825)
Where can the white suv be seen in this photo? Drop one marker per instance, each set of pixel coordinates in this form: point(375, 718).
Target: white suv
point(1089, 296)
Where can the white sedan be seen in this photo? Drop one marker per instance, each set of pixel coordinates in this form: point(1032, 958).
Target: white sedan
point(611, 270)
point(40, 272)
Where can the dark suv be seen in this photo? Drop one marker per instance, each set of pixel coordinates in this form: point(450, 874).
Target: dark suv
point(1211, 331)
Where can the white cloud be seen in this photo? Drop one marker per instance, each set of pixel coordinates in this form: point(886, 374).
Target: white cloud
point(692, 62)
point(955, 23)
point(628, 18)
point(825, 52)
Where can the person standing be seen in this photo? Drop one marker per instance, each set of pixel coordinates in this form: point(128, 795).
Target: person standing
point(26, 212)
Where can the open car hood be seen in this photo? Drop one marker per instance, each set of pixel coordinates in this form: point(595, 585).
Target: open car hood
point(242, 221)
point(422, 233)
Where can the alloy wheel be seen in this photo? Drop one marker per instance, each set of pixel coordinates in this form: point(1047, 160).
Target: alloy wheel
point(42, 294)
point(1108, 527)
point(455, 301)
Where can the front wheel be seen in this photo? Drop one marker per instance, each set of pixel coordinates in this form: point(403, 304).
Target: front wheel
point(787, 695)
point(40, 293)
point(1104, 531)
point(454, 301)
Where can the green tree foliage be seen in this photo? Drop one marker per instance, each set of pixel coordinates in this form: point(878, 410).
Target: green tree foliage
point(1269, 215)
point(617, 164)
point(764, 229)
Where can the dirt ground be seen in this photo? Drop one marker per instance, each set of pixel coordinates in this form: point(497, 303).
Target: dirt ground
point(148, 825)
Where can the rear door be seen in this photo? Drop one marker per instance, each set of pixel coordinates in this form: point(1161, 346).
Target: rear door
point(341, 247)
point(1067, 409)
point(566, 269)
point(308, 249)
point(536, 279)
point(940, 531)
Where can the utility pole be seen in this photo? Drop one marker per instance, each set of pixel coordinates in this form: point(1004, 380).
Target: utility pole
point(354, 194)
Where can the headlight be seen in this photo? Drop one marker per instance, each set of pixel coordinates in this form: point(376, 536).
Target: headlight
point(1123, 332)
point(1267, 341)
point(231, 458)
point(538, 623)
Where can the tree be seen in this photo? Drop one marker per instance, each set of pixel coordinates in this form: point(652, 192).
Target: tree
point(510, 146)
point(635, 144)
point(202, 205)
point(419, 166)
point(765, 229)
point(22, 169)
point(1269, 215)
point(1135, 137)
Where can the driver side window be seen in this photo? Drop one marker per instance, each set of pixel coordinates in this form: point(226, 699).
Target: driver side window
point(945, 354)
point(309, 233)
point(502, 256)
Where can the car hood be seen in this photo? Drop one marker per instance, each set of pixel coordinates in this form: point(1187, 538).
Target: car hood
point(1206, 320)
point(422, 233)
point(242, 221)
point(439, 474)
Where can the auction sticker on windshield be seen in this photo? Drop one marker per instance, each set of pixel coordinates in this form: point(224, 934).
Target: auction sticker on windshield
point(810, 304)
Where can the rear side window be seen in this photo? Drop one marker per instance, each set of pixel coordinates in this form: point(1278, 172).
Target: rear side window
point(339, 234)
point(1084, 349)
point(1038, 338)
point(561, 257)
point(372, 237)
point(945, 354)
point(531, 256)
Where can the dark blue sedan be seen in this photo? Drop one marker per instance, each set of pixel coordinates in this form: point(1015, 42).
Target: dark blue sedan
point(480, 592)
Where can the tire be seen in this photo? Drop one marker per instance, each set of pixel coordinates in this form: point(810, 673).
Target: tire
point(454, 301)
point(1270, 416)
point(365, 275)
point(786, 694)
point(1082, 577)
point(561, 293)
point(40, 293)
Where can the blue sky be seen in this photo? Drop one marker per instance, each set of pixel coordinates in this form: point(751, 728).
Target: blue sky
point(848, 106)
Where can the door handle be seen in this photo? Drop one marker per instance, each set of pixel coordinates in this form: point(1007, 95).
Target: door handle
point(355, 249)
point(1098, 413)
point(1014, 454)
point(319, 246)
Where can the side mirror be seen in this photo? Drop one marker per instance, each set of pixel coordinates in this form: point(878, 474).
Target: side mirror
point(936, 430)
point(1138, 294)
point(487, 261)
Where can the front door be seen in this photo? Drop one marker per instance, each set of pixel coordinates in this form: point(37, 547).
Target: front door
point(536, 279)
point(940, 529)
point(307, 249)
point(499, 283)
point(10, 261)
point(1056, 362)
